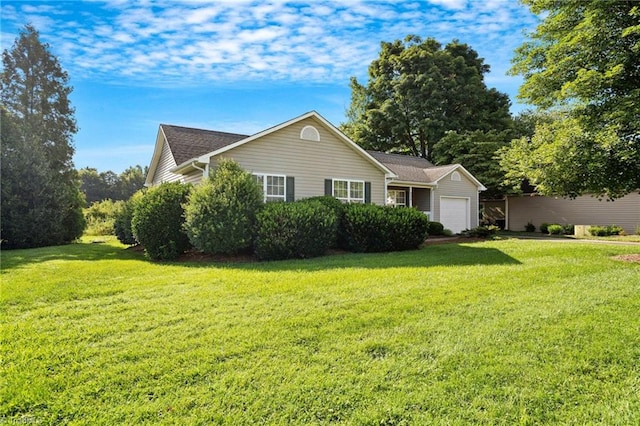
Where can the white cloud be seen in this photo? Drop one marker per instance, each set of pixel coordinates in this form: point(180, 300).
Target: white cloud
point(194, 42)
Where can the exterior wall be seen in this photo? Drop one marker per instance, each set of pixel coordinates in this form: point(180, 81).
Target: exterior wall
point(165, 164)
point(309, 162)
point(193, 177)
point(584, 210)
point(464, 188)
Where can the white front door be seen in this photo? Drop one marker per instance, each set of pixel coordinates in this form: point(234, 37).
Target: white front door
point(455, 213)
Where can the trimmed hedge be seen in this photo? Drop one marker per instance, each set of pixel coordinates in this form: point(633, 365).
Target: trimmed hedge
point(371, 228)
point(220, 214)
point(337, 207)
point(122, 222)
point(435, 228)
point(605, 231)
point(294, 230)
point(157, 221)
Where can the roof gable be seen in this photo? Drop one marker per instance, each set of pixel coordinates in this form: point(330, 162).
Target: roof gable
point(205, 158)
point(419, 170)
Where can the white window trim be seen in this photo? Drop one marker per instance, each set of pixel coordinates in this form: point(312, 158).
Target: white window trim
point(393, 202)
point(349, 182)
point(456, 177)
point(264, 186)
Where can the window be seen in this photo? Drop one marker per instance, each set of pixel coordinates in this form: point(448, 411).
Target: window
point(349, 191)
point(273, 187)
point(396, 197)
point(310, 133)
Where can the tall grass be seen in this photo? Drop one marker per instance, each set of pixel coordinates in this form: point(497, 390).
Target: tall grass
point(508, 332)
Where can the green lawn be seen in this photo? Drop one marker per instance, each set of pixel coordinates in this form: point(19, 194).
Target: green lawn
point(503, 332)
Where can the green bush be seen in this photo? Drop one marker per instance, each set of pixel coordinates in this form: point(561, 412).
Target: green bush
point(294, 230)
point(122, 222)
point(544, 228)
point(435, 228)
point(101, 216)
point(568, 229)
point(157, 221)
point(604, 231)
point(220, 214)
point(337, 207)
point(555, 229)
point(371, 228)
point(530, 227)
point(484, 231)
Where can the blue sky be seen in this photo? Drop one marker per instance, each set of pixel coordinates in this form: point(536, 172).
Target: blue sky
point(238, 66)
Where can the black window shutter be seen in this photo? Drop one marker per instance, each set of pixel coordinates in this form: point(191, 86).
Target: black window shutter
point(291, 191)
point(328, 187)
point(367, 192)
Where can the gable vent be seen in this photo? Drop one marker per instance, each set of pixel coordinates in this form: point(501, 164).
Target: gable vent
point(310, 133)
point(455, 176)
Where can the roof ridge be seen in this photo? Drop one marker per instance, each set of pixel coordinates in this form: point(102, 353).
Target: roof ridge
point(204, 130)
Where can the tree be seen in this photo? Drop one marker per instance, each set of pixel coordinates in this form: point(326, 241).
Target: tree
point(417, 91)
point(477, 152)
point(109, 185)
point(582, 62)
point(41, 199)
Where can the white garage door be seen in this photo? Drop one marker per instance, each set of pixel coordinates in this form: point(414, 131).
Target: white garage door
point(454, 213)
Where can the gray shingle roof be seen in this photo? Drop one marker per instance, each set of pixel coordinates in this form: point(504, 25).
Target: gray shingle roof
point(187, 143)
point(412, 169)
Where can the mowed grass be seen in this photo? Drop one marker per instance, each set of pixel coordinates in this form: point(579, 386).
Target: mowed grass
point(502, 332)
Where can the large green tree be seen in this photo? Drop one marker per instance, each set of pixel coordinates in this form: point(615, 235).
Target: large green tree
point(41, 198)
point(417, 91)
point(581, 63)
point(98, 186)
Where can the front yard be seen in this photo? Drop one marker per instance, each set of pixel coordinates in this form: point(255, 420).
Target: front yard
point(501, 332)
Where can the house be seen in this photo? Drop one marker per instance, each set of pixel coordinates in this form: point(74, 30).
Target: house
point(583, 210)
point(308, 156)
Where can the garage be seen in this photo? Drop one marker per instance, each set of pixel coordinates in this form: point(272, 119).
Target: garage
point(454, 213)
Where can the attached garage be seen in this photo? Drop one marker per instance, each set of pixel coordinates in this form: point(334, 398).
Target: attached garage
point(455, 213)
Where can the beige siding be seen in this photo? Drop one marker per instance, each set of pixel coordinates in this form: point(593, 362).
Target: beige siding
point(193, 177)
point(309, 162)
point(465, 188)
point(165, 164)
point(585, 210)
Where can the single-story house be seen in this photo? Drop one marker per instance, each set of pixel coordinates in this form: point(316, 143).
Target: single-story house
point(584, 210)
point(308, 156)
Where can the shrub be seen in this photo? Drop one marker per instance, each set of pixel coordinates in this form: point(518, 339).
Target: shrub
point(555, 229)
point(568, 229)
point(122, 222)
point(337, 207)
point(288, 230)
point(604, 231)
point(530, 227)
point(544, 228)
point(371, 228)
point(157, 221)
point(101, 216)
point(484, 231)
point(220, 213)
point(435, 228)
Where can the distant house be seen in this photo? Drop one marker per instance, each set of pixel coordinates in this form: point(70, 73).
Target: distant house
point(308, 156)
point(584, 210)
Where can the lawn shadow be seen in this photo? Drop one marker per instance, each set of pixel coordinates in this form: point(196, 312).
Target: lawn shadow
point(77, 251)
point(453, 254)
